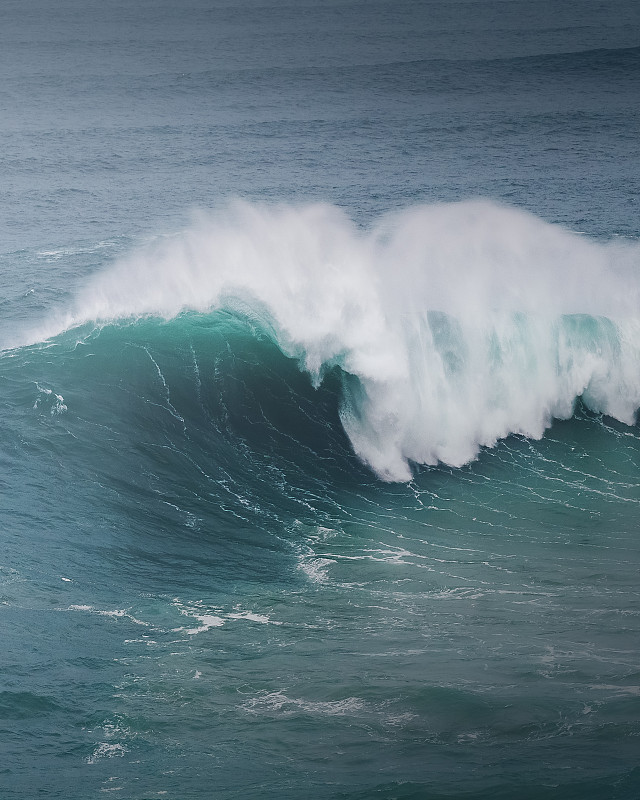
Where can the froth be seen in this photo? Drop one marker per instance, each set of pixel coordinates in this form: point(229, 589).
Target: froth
point(455, 325)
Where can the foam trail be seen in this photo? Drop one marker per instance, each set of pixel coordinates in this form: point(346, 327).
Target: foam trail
point(456, 324)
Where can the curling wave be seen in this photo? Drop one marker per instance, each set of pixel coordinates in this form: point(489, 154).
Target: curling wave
point(453, 325)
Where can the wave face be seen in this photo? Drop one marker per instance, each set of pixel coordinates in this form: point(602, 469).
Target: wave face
point(452, 326)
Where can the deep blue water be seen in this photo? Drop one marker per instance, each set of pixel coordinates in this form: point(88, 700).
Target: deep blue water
point(319, 376)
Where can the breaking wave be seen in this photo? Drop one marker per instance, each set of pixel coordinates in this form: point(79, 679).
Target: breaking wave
point(452, 326)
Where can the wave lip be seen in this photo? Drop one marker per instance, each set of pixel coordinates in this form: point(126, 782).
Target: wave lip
point(453, 325)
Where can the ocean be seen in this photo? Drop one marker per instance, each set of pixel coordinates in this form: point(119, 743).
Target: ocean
point(319, 374)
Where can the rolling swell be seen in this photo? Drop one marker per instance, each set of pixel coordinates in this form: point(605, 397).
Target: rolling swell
point(438, 332)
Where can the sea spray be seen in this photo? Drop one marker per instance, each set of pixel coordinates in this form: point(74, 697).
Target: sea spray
point(453, 325)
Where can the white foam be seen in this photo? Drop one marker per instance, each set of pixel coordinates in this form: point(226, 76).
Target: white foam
point(461, 323)
point(315, 567)
point(208, 621)
point(270, 702)
point(263, 619)
point(217, 619)
point(107, 750)
point(47, 398)
point(116, 613)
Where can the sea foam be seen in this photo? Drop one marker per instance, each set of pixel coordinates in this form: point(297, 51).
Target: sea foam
point(455, 325)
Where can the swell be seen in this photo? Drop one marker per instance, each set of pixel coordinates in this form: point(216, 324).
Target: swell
point(443, 328)
point(617, 60)
point(614, 61)
point(557, 71)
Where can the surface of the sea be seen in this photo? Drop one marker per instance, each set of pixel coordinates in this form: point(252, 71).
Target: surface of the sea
point(319, 371)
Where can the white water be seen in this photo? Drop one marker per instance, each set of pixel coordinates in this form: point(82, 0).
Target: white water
point(462, 323)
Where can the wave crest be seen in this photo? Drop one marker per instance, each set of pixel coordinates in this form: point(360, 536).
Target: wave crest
point(455, 325)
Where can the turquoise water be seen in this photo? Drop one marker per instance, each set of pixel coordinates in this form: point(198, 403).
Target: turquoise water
point(318, 473)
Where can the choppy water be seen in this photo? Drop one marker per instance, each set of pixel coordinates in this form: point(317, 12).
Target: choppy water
point(319, 377)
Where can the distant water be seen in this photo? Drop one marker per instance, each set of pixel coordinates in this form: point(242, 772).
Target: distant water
point(319, 375)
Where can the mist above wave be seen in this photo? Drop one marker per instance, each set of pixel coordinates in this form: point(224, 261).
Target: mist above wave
point(456, 325)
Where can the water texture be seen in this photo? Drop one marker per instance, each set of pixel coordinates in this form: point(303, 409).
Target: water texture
point(319, 379)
